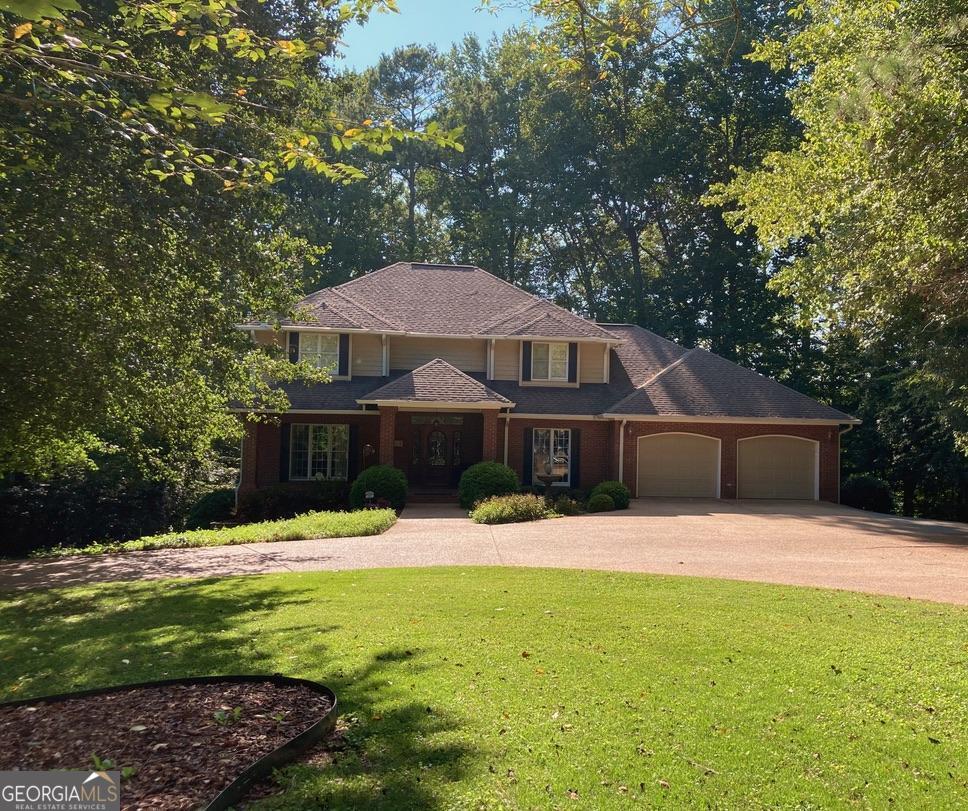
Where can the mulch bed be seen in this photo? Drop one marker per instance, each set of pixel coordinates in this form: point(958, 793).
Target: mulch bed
point(183, 755)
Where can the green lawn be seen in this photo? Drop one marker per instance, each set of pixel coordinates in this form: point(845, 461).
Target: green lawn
point(478, 687)
point(302, 527)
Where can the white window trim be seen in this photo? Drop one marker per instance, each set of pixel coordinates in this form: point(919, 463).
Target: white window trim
point(318, 336)
point(549, 378)
point(312, 426)
point(565, 482)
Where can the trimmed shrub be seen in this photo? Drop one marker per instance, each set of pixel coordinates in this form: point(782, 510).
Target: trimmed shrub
point(510, 509)
point(866, 492)
point(387, 483)
point(600, 503)
point(219, 505)
point(483, 480)
point(617, 491)
point(565, 505)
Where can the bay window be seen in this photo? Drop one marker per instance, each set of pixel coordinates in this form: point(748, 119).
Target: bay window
point(319, 452)
point(549, 361)
point(551, 454)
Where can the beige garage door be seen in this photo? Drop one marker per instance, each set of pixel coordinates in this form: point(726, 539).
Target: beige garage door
point(777, 467)
point(678, 465)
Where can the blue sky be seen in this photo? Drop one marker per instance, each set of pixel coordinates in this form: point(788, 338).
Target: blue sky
point(437, 22)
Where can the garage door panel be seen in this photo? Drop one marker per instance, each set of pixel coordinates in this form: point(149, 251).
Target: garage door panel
point(777, 467)
point(678, 466)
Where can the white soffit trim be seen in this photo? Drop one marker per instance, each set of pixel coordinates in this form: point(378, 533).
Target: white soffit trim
point(407, 334)
point(747, 420)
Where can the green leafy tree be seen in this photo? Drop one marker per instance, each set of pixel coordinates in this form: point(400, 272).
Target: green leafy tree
point(140, 145)
point(874, 198)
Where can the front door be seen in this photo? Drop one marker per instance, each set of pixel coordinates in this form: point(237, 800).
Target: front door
point(436, 450)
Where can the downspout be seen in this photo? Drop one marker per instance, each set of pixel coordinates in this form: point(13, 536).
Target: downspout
point(238, 484)
point(507, 431)
point(621, 452)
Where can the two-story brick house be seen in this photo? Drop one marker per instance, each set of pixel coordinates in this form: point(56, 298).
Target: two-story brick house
point(436, 367)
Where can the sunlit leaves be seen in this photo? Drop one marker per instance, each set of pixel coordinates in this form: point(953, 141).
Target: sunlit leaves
point(64, 65)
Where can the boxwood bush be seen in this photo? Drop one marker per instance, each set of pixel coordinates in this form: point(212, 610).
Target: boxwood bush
point(387, 483)
point(510, 509)
point(600, 503)
point(483, 480)
point(617, 491)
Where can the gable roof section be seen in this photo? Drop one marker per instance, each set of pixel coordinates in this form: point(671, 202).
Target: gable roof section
point(436, 382)
point(643, 353)
point(701, 384)
point(442, 300)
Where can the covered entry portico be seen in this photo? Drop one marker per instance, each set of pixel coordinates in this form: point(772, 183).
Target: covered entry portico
point(435, 422)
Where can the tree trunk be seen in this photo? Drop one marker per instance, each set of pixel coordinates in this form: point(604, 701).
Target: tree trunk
point(638, 280)
point(412, 213)
point(907, 503)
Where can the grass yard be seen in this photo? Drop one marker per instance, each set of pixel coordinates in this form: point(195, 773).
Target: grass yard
point(302, 527)
point(486, 687)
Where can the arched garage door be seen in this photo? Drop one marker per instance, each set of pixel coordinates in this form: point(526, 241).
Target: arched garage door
point(777, 467)
point(678, 466)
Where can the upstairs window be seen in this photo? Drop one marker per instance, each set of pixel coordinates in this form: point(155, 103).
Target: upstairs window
point(320, 349)
point(319, 452)
point(549, 361)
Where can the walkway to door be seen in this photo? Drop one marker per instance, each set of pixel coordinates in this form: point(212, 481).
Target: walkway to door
point(798, 543)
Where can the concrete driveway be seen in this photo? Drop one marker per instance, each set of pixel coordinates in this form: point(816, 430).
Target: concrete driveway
point(797, 543)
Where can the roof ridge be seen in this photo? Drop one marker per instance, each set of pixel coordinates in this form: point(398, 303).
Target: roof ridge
point(648, 331)
point(434, 361)
point(508, 314)
point(367, 275)
point(369, 312)
point(652, 379)
point(540, 299)
point(317, 299)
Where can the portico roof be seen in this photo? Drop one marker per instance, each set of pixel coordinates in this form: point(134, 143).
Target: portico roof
point(436, 382)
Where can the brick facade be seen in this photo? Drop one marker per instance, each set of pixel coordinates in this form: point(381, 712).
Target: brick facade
point(593, 446)
point(261, 447)
point(729, 433)
point(388, 417)
point(489, 451)
point(598, 445)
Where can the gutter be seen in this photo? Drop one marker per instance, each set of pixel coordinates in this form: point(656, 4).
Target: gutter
point(621, 451)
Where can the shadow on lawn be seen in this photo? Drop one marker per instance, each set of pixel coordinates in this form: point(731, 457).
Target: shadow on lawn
point(391, 754)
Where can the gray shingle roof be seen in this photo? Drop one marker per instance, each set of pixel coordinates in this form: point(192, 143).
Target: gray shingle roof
point(643, 353)
point(441, 300)
point(701, 384)
point(437, 381)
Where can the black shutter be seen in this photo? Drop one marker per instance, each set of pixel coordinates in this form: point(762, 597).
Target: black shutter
point(356, 453)
point(284, 433)
point(293, 347)
point(575, 450)
point(527, 457)
point(526, 360)
point(343, 369)
point(572, 363)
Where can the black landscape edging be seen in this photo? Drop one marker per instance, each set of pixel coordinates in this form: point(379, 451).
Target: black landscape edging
point(264, 766)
